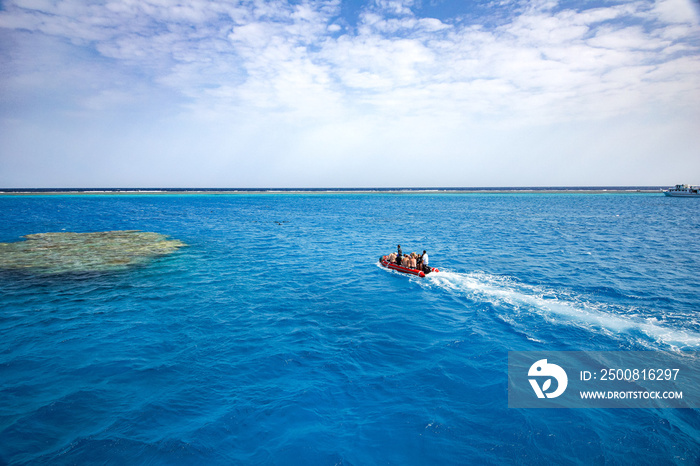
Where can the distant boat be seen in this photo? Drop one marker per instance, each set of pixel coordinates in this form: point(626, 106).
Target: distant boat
point(683, 190)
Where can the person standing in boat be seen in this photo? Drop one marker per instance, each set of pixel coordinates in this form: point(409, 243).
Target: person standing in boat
point(425, 260)
point(399, 255)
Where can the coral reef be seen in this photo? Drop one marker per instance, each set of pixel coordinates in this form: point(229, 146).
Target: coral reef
point(55, 253)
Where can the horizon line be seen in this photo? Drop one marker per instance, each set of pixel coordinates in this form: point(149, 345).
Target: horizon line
point(154, 190)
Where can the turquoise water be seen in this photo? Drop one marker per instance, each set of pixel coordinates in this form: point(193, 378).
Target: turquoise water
point(275, 337)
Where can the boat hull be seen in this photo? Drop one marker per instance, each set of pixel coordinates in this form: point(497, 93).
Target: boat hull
point(408, 270)
point(681, 194)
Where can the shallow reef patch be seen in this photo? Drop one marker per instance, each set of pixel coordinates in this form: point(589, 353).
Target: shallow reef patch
point(67, 252)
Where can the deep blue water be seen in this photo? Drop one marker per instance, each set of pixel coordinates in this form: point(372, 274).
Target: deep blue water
point(275, 337)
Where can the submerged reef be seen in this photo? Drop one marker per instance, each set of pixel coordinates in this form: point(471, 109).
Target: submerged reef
point(56, 253)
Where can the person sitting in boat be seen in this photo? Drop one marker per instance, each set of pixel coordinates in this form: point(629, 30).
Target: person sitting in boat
point(412, 260)
point(399, 255)
point(391, 257)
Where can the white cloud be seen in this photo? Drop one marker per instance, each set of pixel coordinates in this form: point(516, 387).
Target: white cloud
point(676, 11)
point(628, 38)
point(302, 70)
point(276, 52)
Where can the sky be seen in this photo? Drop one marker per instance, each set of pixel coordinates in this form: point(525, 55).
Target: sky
point(348, 93)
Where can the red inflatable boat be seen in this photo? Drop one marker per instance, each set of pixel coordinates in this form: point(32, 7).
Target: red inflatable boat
point(400, 268)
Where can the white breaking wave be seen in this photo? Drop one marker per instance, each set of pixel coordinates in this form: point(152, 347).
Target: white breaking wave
point(502, 292)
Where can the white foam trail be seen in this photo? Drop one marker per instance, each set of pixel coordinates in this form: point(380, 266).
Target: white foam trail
point(500, 291)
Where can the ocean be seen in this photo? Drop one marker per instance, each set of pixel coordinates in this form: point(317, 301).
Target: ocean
point(274, 337)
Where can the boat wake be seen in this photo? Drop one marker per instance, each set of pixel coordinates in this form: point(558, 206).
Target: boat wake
point(515, 303)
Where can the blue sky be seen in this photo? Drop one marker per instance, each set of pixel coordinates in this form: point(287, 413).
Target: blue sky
point(384, 93)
